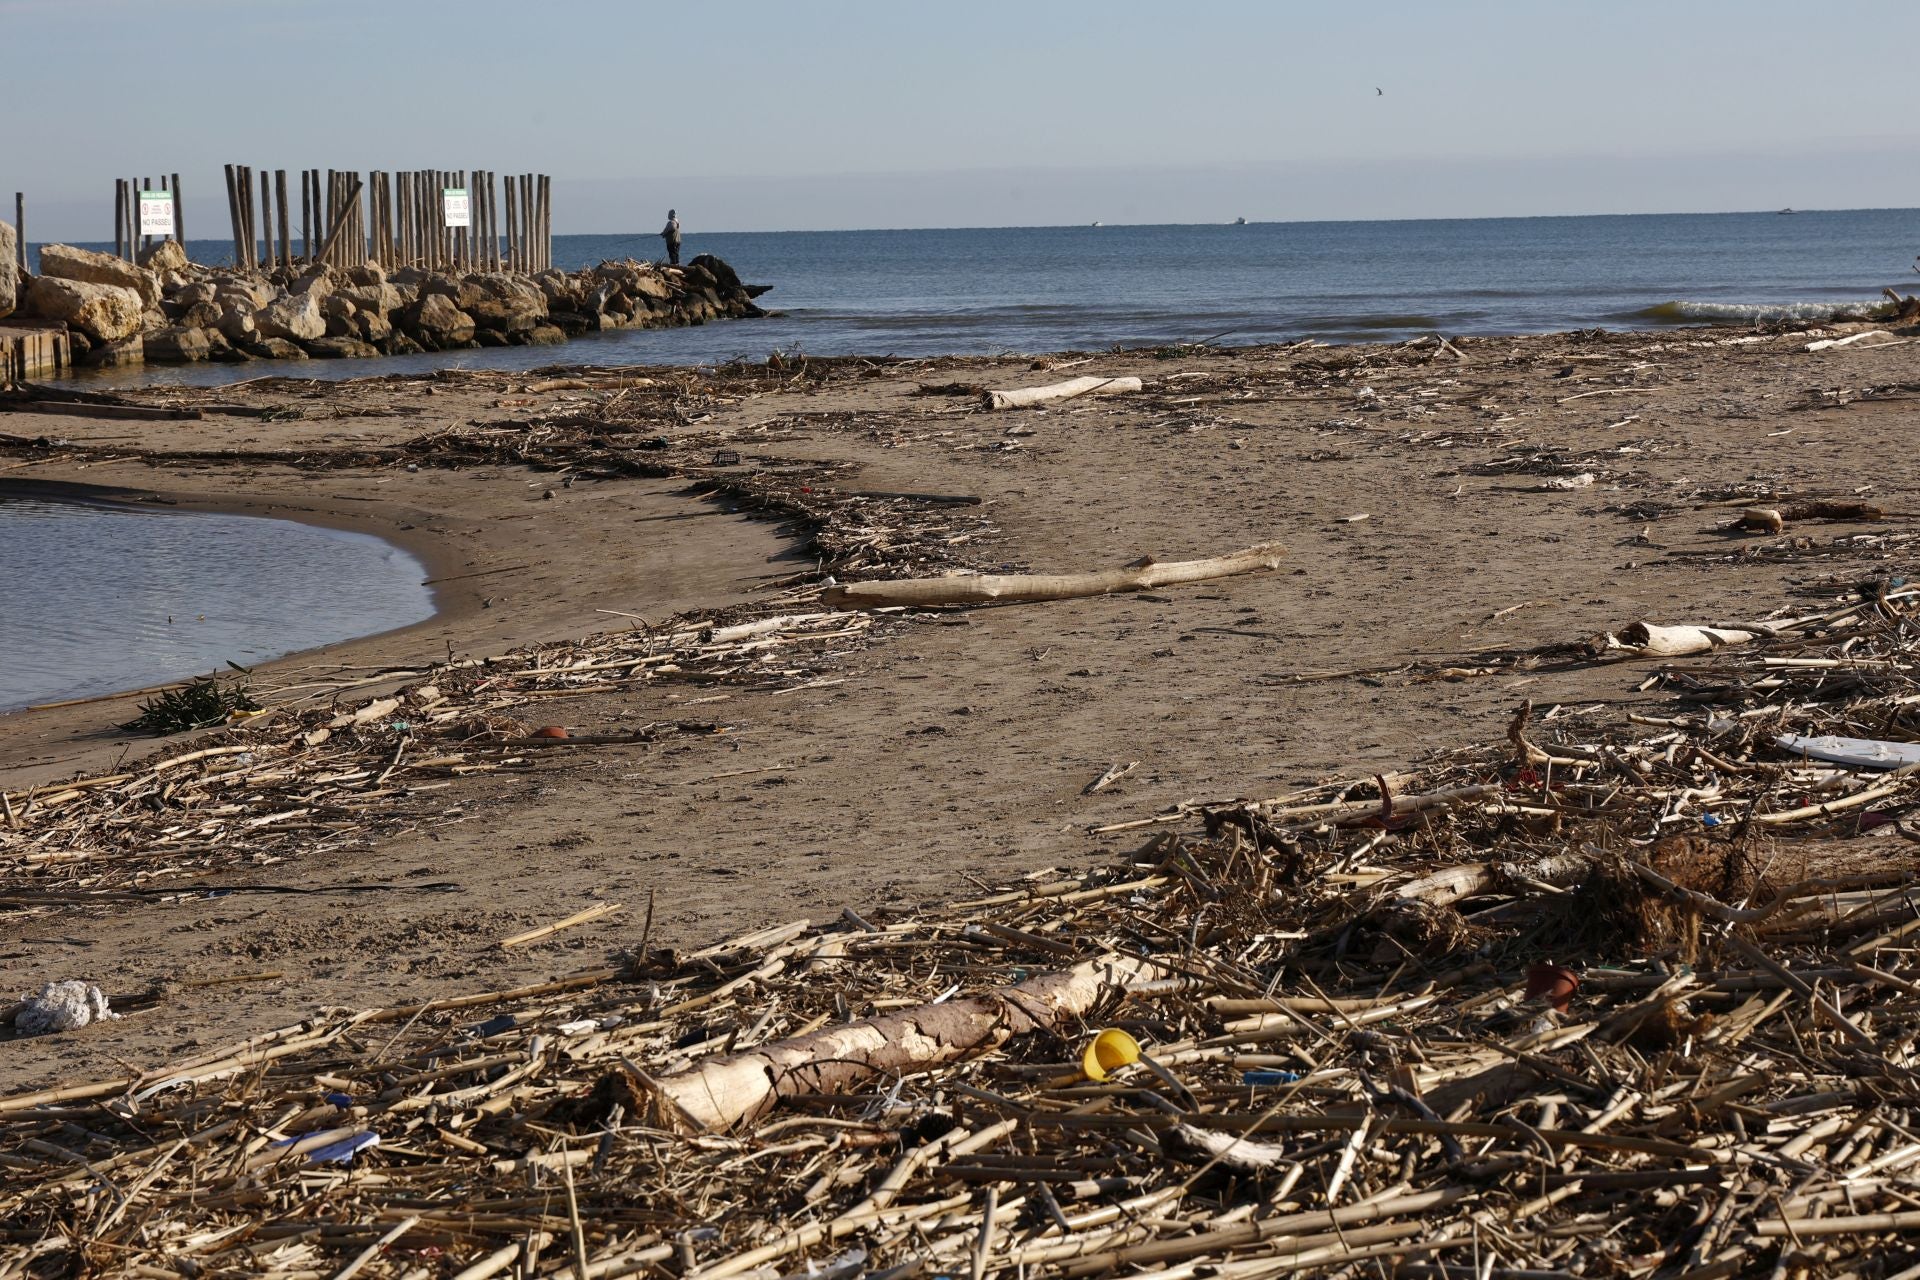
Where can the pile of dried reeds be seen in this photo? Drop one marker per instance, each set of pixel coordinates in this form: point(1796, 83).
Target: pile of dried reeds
point(307, 778)
point(1613, 997)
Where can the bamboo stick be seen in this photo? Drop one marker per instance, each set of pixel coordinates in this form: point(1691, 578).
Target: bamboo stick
point(587, 916)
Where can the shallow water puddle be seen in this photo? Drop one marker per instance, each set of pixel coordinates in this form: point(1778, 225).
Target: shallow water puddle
point(97, 598)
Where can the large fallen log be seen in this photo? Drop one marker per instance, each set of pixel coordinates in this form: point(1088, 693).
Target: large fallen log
point(1008, 588)
point(1021, 397)
point(1647, 640)
point(724, 1091)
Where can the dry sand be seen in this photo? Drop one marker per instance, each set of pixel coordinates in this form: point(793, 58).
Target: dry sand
point(956, 749)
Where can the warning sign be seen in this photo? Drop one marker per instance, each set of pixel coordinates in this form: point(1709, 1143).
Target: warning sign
point(156, 213)
point(458, 206)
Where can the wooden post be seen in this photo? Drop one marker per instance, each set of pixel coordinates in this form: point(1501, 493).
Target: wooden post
point(266, 217)
point(330, 248)
point(20, 227)
point(133, 217)
point(119, 217)
point(526, 224)
point(179, 214)
point(233, 215)
point(251, 215)
point(286, 228)
point(513, 256)
point(546, 219)
point(493, 227)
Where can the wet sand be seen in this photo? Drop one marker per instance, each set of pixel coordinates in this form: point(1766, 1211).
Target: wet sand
point(957, 749)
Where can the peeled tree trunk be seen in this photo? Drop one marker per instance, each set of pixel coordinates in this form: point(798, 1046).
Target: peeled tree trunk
point(1009, 588)
point(1672, 642)
point(1021, 397)
point(724, 1091)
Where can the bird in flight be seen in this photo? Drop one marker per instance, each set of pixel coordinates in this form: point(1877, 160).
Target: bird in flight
point(1379, 93)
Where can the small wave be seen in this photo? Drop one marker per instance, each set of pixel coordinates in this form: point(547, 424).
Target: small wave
point(1369, 321)
point(1678, 312)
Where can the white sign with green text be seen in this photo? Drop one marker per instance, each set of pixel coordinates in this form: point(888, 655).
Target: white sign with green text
point(156, 213)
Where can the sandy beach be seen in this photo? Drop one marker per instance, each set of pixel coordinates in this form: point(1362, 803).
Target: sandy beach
point(1434, 505)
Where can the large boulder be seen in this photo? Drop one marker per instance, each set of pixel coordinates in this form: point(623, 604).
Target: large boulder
point(9, 270)
point(318, 280)
point(64, 262)
point(464, 292)
point(339, 312)
point(340, 348)
point(168, 255)
point(723, 276)
point(371, 326)
point(237, 326)
point(272, 349)
point(435, 322)
point(250, 295)
point(201, 315)
point(380, 296)
point(508, 315)
point(178, 344)
point(104, 312)
point(299, 316)
point(116, 354)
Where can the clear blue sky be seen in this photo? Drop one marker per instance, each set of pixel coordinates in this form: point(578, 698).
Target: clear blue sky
point(760, 115)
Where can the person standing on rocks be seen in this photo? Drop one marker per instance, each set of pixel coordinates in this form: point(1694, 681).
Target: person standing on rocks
point(671, 234)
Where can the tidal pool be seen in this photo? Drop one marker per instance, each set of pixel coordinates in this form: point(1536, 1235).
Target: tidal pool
point(97, 597)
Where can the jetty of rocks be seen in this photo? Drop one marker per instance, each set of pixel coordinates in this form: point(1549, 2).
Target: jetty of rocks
point(162, 308)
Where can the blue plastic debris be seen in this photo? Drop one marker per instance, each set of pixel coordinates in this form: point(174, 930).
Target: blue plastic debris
point(340, 1100)
point(494, 1026)
point(1261, 1077)
point(343, 1151)
point(1708, 820)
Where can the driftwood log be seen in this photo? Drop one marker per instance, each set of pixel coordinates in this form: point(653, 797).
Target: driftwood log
point(1021, 397)
point(721, 1093)
point(1009, 588)
point(1648, 640)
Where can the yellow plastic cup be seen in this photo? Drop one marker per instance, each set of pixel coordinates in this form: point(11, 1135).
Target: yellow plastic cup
point(1109, 1051)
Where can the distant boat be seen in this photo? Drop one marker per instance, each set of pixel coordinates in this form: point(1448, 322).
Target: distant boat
point(1239, 222)
point(1786, 211)
point(1096, 224)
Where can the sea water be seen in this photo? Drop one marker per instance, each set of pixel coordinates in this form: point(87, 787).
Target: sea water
point(104, 597)
point(1034, 289)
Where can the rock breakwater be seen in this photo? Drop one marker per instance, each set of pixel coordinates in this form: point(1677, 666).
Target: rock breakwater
point(164, 308)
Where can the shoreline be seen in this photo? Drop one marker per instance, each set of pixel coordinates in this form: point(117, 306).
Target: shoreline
point(890, 770)
point(397, 528)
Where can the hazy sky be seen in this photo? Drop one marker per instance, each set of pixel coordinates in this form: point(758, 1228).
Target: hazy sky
point(762, 115)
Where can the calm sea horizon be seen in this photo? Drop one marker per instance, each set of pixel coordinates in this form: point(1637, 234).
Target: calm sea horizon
point(978, 291)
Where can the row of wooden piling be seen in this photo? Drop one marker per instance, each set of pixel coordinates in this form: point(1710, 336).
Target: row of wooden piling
point(127, 240)
point(397, 219)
